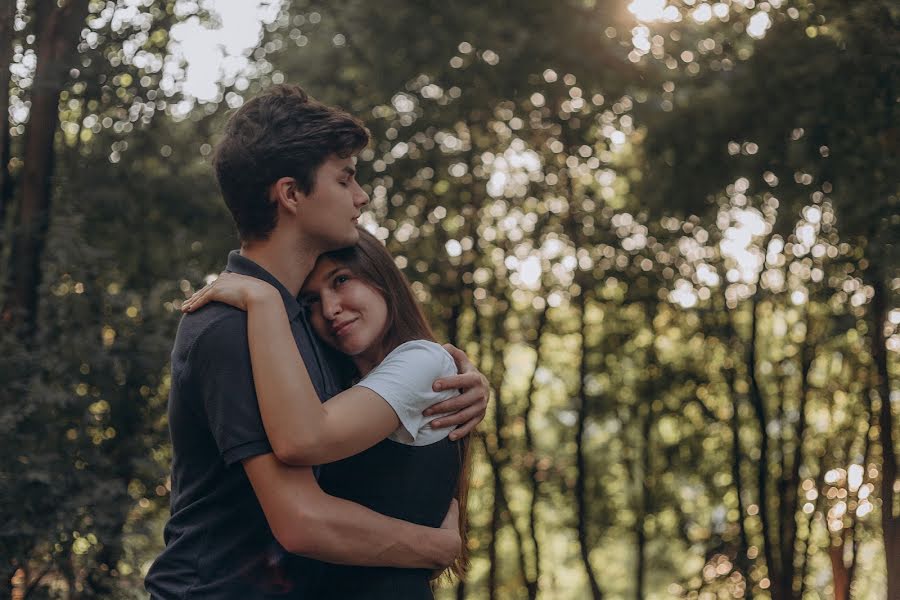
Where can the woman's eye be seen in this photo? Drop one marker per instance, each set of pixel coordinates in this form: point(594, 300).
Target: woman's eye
point(341, 279)
point(311, 299)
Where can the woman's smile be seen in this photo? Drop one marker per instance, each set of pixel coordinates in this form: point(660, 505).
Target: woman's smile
point(348, 313)
point(344, 327)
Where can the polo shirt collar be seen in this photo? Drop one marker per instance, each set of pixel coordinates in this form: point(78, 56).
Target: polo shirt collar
point(240, 264)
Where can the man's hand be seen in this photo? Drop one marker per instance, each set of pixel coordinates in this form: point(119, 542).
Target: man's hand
point(451, 524)
point(470, 406)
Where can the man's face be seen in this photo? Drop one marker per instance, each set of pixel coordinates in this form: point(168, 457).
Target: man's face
point(328, 214)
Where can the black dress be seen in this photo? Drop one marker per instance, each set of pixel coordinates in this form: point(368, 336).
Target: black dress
point(412, 483)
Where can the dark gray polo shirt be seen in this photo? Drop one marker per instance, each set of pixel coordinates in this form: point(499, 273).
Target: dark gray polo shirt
point(218, 543)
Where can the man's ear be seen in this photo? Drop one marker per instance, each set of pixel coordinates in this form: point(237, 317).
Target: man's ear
point(287, 194)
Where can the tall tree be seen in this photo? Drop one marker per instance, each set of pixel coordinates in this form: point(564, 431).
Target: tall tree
point(7, 39)
point(57, 32)
point(835, 127)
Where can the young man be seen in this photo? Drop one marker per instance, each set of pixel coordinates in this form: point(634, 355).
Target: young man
point(241, 519)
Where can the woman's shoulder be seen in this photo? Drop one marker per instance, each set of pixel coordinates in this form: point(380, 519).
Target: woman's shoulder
point(423, 354)
point(421, 346)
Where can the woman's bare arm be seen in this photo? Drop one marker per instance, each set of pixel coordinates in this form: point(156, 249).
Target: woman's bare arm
point(301, 429)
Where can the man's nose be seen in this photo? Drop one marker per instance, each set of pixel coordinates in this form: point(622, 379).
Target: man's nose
point(361, 198)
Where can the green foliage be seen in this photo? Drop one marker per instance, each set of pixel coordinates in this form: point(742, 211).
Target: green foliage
point(645, 248)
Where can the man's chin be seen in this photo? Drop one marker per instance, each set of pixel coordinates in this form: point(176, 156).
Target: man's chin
point(350, 240)
point(339, 242)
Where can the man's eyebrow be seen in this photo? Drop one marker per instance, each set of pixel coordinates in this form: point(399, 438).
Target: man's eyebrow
point(349, 170)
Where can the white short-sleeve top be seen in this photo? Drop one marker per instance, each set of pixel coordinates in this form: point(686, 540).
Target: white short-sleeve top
point(404, 379)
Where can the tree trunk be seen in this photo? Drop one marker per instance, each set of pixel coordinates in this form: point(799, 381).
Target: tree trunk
point(485, 344)
point(839, 569)
point(742, 559)
point(498, 457)
point(532, 460)
point(640, 569)
point(789, 498)
point(733, 344)
point(580, 462)
point(492, 544)
point(453, 321)
point(762, 469)
point(7, 35)
point(461, 590)
point(890, 523)
point(854, 538)
point(58, 30)
point(501, 504)
point(495, 453)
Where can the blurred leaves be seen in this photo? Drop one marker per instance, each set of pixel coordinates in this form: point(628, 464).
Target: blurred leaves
point(649, 234)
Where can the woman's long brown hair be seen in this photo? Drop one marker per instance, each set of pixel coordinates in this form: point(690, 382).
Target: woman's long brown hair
point(370, 261)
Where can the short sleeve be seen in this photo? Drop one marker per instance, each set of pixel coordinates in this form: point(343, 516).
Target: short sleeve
point(224, 379)
point(404, 379)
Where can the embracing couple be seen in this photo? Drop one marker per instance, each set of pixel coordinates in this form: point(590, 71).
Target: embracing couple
point(310, 350)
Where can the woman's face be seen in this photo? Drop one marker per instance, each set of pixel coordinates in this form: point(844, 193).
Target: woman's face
point(347, 313)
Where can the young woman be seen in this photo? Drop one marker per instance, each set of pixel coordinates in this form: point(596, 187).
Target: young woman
point(376, 446)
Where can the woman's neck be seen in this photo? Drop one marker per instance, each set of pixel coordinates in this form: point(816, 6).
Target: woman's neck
point(367, 360)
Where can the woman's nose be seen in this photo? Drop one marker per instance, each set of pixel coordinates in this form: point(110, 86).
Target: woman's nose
point(331, 307)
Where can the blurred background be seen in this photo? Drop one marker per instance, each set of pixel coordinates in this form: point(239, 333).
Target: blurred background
point(666, 230)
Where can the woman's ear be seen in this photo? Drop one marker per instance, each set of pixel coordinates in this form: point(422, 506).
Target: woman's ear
point(287, 194)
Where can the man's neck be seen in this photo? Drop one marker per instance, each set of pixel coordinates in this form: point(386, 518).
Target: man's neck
point(288, 262)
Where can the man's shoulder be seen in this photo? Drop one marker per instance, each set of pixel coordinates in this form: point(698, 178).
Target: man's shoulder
point(215, 327)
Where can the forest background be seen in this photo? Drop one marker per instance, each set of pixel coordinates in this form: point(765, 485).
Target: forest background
point(666, 230)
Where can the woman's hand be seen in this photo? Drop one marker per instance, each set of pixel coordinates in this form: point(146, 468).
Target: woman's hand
point(230, 288)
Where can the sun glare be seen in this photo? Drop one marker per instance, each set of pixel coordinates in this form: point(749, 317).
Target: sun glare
point(702, 14)
point(220, 53)
point(647, 10)
point(758, 25)
point(653, 10)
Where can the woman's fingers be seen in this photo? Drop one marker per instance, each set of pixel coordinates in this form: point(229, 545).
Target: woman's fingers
point(229, 288)
point(194, 303)
point(197, 299)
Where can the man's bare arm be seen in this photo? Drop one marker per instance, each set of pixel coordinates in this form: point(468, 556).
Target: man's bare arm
point(305, 520)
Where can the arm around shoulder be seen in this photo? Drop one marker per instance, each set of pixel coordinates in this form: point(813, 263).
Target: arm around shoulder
point(220, 369)
point(301, 429)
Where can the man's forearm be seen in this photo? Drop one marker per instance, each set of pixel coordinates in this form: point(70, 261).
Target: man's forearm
point(343, 532)
point(306, 520)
